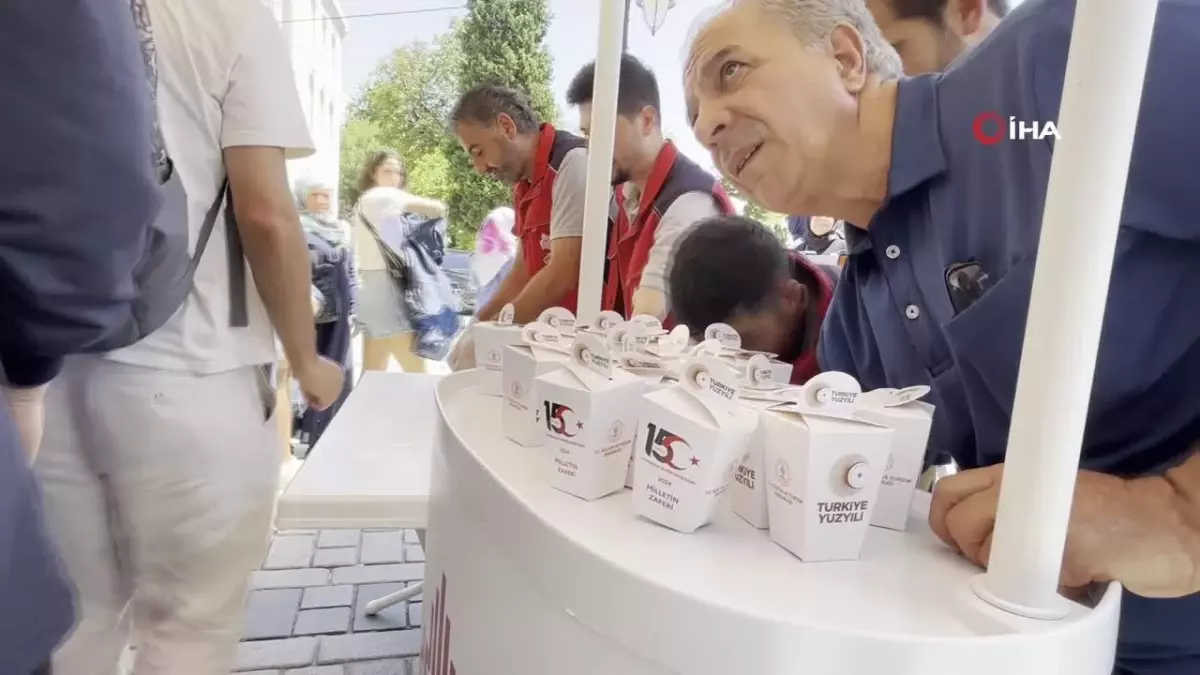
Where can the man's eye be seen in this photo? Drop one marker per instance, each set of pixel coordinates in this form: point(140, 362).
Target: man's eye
point(730, 70)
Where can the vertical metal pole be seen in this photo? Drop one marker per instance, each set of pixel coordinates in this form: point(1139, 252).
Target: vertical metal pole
point(600, 157)
point(625, 30)
point(1102, 92)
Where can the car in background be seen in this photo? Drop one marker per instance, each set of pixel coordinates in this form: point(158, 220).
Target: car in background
point(457, 266)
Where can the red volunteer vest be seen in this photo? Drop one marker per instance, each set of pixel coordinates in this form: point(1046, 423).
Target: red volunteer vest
point(629, 244)
point(805, 366)
point(532, 202)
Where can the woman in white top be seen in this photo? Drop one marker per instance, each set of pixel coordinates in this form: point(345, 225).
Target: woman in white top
point(387, 332)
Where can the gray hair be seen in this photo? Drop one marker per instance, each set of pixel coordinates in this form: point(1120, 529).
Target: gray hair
point(813, 22)
point(306, 185)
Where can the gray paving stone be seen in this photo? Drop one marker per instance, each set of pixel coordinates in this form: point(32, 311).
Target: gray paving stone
point(414, 554)
point(267, 654)
point(389, 667)
point(392, 618)
point(415, 666)
point(335, 557)
point(414, 614)
point(318, 670)
point(410, 537)
point(367, 646)
point(378, 574)
point(338, 538)
point(271, 613)
point(382, 547)
point(296, 533)
point(260, 672)
point(323, 621)
point(301, 578)
point(290, 553)
point(319, 597)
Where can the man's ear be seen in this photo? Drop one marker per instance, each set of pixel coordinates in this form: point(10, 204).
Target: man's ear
point(795, 295)
point(964, 16)
point(506, 125)
point(847, 48)
point(648, 118)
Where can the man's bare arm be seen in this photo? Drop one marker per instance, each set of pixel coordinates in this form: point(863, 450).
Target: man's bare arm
point(559, 277)
point(275, 246)
point(510, 287)
point(1176, 495)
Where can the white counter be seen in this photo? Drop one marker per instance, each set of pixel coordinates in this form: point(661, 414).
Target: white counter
point(537, 582)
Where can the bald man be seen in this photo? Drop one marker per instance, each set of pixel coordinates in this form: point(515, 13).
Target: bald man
point(929, 34)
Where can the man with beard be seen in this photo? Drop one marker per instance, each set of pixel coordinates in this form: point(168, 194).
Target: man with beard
point(802, 103)
point(660, 193)
point(547, 168)
point(929, 34)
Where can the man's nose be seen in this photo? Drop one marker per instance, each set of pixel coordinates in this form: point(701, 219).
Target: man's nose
point(708, 127)
point(480, 165)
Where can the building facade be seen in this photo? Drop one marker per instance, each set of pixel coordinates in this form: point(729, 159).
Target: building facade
point(315, 32)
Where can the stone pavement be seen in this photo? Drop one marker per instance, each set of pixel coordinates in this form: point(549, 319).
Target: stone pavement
point(305, 614)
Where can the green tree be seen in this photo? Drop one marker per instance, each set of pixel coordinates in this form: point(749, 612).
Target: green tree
point(359, 139)
point(776, 222)
point(500, 42)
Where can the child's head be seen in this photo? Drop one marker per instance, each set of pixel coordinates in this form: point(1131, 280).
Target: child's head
point(730, 269)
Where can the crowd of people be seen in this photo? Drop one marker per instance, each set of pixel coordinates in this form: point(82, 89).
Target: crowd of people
point(162, 290)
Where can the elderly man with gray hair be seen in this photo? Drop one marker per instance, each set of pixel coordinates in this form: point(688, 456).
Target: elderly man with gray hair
point(803, 106)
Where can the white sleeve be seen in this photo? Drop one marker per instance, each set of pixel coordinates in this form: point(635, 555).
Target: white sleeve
point(262, 106)
point(687, 210)
point(566, 201)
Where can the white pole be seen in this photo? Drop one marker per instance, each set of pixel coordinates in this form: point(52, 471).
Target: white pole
point(609, 47)
point(1101, 96)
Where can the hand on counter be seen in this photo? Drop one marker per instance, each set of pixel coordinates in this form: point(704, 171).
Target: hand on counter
point(1132, 531)
point(25, 405)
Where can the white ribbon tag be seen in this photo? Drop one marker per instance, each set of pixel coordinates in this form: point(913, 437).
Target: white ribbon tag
point(829, 394)
point(540, 336)
point(506, 315)
point(560, 319)
point(651, 324)
point(759, 374)
point(714, 384)
point(708, 348)
point(673, 343)
point(591, 360)
point(725, 334)
point(891, 398)
point(606, 320)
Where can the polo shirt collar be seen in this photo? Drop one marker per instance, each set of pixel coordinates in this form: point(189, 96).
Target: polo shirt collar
point(917, 152)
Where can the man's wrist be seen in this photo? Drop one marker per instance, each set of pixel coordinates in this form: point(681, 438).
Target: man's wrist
point(1170, 514)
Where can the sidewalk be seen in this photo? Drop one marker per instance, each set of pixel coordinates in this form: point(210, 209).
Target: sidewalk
point(305, 611)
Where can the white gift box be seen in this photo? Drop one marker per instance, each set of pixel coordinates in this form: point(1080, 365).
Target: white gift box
point(542, 350)
point(590, 411)
point(824, 466)
point(748, 491)
point(689, 439)
point(910, 420)
point(491, 337)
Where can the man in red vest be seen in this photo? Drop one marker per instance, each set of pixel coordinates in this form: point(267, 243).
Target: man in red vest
point(733, 270)
point(660, 192)
point(548, 171)
point(547, 168)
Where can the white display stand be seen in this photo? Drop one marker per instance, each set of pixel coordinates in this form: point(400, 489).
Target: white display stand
point(371, 466)
point(532, 581)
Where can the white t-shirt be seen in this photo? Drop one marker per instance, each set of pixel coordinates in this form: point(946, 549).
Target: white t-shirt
point(225, 80)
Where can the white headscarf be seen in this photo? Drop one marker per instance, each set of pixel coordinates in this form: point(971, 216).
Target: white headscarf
point(495, 244)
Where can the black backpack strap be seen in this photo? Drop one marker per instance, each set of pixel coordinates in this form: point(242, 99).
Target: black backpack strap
point(239, 315)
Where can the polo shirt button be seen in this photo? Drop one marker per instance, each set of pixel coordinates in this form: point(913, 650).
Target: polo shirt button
point(893, 252)
point(912, 311)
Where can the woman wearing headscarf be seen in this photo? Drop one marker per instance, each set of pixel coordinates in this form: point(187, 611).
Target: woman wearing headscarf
point(495, 249)
point(387, 331)
point(334, 285)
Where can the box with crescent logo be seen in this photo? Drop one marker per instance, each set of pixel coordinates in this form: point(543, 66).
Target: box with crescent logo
point(491, 337)
point(823, 464)
point(589, 411)
point(909, 419)
point(542, 350)
point(690, 438)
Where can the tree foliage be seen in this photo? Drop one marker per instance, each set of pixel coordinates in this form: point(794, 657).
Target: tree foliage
point(776, 222)
point(406, 104)
point(500, 42)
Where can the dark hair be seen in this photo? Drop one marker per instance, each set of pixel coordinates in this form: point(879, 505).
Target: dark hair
point(483, 105)
point(366, 175)
point(724, 265)
point(638, 87)
point(931, 10)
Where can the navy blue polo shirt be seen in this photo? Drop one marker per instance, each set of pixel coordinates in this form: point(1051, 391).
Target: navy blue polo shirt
point(952, 199)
